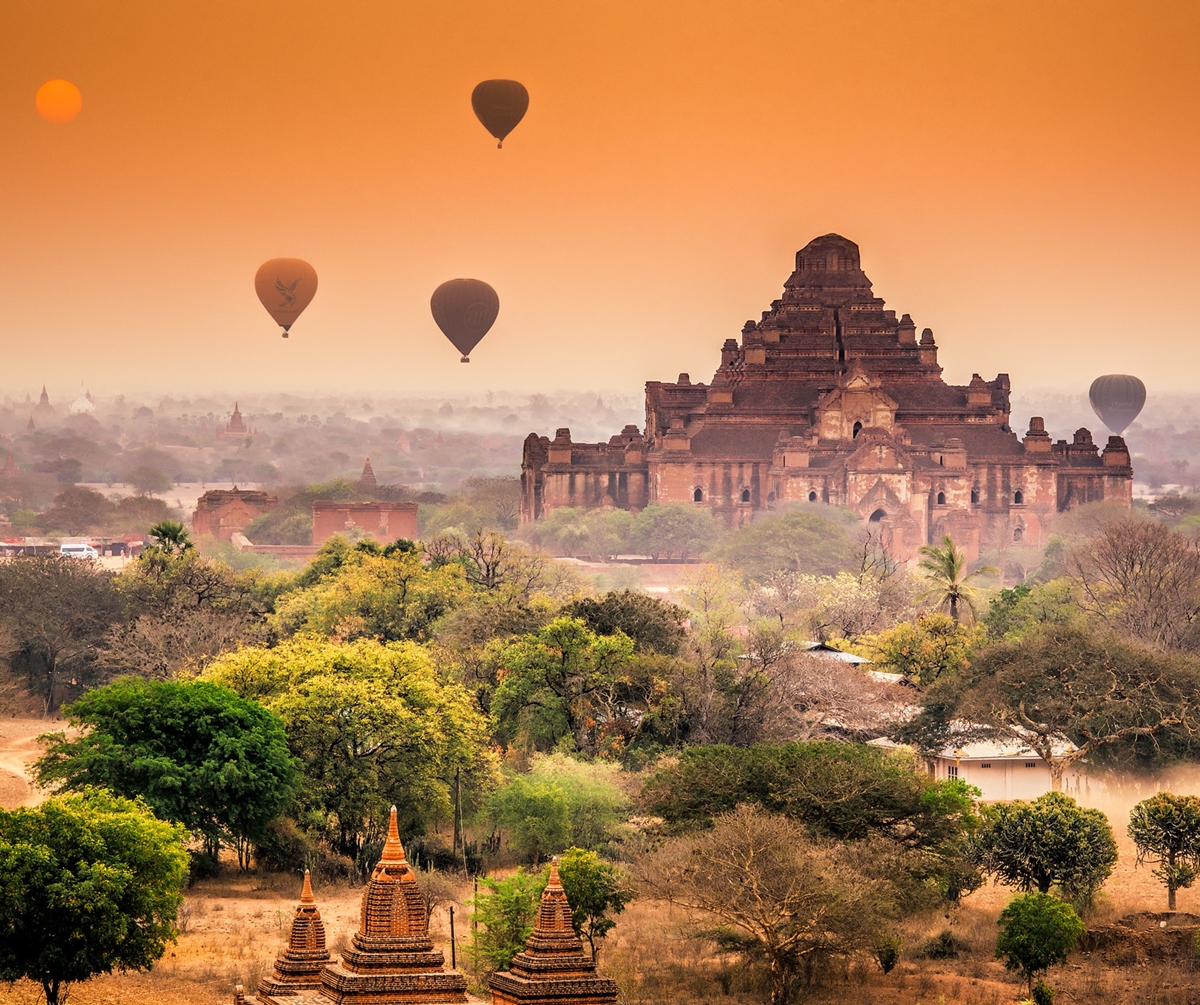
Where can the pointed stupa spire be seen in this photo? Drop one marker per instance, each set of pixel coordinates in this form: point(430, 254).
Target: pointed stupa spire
point(393, 850)
point(367, 479)
point(298, 968)
point(10, 469)
point(306, 895)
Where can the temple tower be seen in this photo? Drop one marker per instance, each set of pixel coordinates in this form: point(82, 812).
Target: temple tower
point(552, 969)
point(392, 960)
point(298, 968)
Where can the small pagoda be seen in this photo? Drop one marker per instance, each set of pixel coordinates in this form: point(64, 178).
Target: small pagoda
point(298, 968)
point(392, 960)
point(552, 969)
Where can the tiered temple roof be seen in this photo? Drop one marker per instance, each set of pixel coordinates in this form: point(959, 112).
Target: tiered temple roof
point(552, 969)
point(392, 960)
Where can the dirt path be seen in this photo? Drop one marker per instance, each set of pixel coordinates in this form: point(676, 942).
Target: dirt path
point(18, 749)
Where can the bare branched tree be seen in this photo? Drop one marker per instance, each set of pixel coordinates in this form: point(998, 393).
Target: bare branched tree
point(1142, 578)
point(771, 891)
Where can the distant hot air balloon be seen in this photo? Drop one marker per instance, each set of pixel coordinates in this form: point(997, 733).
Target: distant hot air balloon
point(464, 310)
point(285, 286)
point(500, 105)
point(1117, 398)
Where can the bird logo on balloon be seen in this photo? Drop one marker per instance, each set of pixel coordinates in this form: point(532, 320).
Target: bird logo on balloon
point(289, 292)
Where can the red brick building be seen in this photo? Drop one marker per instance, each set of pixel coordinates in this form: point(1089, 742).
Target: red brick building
point(382, 520)
point(220, 513)
point(829, 398)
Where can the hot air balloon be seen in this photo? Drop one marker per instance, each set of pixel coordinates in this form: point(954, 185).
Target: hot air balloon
point(464, 309)
point(1117, 398)
point(285, 286)
point(500, 105)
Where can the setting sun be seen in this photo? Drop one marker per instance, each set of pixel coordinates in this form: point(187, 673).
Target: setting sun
point(58, 101)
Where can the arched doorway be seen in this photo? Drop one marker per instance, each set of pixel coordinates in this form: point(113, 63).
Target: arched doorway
point(877, 516)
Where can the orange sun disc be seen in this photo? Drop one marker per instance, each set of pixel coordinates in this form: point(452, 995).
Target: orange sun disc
point(58, 101)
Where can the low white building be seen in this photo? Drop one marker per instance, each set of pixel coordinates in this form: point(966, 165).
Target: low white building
point(1002, 769)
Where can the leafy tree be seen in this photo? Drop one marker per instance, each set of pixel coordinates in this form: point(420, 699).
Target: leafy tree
point(1057, 683)
point(803, 540)
point(674, 530)
point(596, 803)
point(1036, 931)
point(777, 892)
point(89, 883)
point(931, 647)
point(535, 814)
point(196, 752)
point(503, 918)
point(372, 725)
point(553, 685)
point(57, 610)
point(1051, 841)
point(1166, 829)
point(76, 510)
point(352, 593)
point(653, 624)
point(148, 480)
point(1014, 612)
point(595, 890)
point(945, 570)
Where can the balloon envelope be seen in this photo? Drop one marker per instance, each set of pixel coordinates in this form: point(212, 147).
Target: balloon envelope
point(1117, 398)
point(285, 286)
point(500, 105)
point(464, 310)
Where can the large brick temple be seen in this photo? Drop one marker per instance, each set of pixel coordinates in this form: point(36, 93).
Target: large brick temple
point(829, 398)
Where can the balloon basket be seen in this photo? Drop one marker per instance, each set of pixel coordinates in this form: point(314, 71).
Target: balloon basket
point(465, 359)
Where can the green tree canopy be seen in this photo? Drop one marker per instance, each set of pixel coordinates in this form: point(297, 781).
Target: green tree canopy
point(1166, 829)
point(653, 624)
point(363, 592)
point(561, 801)
point(372, 725)
point(560, 683)
point(674, 530)
point(924, 650)
point(804, 540)
point(507, 912)
point(1049, 842)
point(1036, 931)
point(89, 883)
point(197, 753)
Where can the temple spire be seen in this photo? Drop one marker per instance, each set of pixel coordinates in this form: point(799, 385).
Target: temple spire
point(393, 850)
point(306, 895)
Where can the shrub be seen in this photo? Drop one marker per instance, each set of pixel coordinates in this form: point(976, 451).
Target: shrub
point(1037, 930)
point(943, 946)
point(887, 952)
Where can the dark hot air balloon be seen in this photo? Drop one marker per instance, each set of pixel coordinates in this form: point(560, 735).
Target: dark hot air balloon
point(500, 105)
point(1117, 398)
point(464, 310)
point(285, 286)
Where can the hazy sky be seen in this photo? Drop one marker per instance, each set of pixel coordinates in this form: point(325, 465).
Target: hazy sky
point(1023, 177)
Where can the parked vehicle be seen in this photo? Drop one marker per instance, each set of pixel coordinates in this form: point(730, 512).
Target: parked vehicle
point(78, 551)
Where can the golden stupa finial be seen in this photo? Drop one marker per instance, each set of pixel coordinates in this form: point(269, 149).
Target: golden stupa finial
point(306, 895)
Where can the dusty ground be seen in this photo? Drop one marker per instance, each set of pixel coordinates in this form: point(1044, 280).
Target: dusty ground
point(18, 748)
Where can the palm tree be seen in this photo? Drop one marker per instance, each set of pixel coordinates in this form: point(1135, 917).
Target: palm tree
point(171, 537)
point(945, 569)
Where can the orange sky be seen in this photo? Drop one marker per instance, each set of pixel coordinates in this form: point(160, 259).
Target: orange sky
point(1021, 176)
